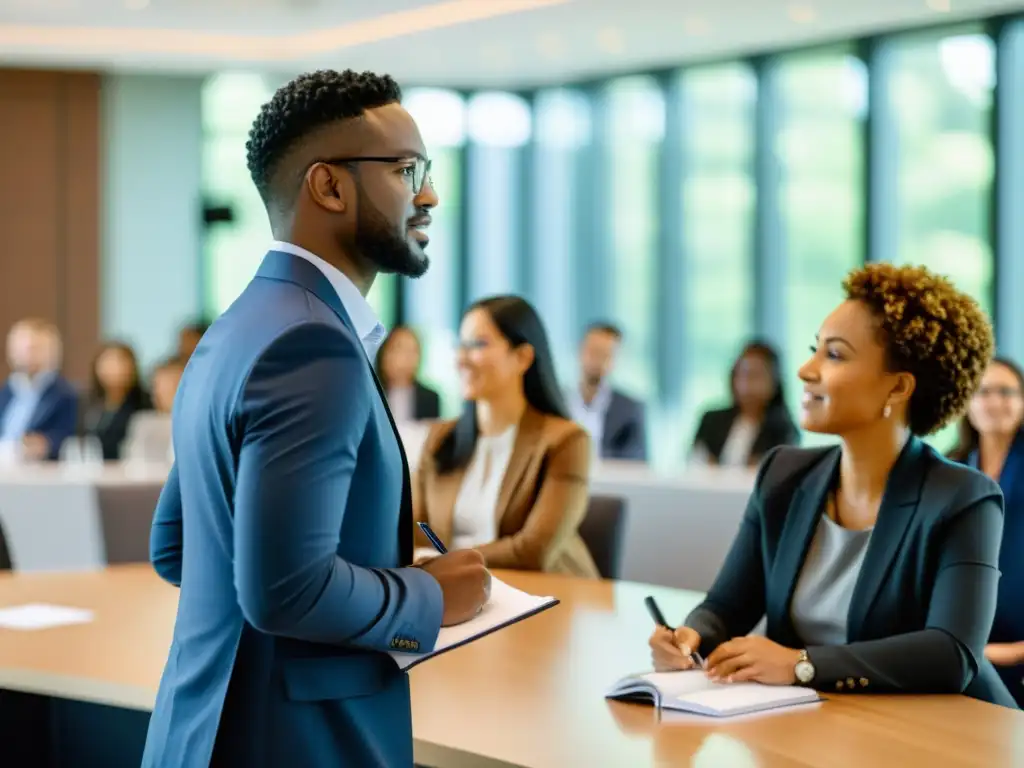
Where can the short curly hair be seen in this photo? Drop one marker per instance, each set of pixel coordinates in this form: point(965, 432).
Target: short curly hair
point(305, 105)
point(931, 330)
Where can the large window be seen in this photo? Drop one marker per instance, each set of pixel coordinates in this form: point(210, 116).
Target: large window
point(717, 222)
point(234, 249)
point(432, 301)
point(562, 131)
point(822, 105)
point(941, 94)
point(635, 111)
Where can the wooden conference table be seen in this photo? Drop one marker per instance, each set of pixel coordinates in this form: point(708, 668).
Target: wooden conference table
point(531, 695)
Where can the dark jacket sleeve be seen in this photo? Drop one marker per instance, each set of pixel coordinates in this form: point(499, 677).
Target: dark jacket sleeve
point(945, 656)
point(635, 447)
point(736, 601)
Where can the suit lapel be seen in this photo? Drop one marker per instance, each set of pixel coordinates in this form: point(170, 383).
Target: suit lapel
point(44, 406)
point(899, 502)
point(805, 510)
point(284, 266)
point(527, 436)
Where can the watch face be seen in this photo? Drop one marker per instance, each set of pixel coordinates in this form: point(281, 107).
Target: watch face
point(804, 671)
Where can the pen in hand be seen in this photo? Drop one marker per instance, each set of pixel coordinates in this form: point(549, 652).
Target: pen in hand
point(432, 537)
point(659, 619)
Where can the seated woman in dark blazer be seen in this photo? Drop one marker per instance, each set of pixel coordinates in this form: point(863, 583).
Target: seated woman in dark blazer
point(398, 365)
point(875, 561)
point(509, 477)
point(757, 420)
point(992, 440)
point(115, 396)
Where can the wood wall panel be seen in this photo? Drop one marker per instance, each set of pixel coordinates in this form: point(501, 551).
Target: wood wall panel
point(50, 206)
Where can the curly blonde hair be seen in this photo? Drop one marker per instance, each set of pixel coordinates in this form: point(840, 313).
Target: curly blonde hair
point(931, 330)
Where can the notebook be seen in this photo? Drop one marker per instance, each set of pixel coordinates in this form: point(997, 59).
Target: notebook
point(507, 606)
point(692, 691)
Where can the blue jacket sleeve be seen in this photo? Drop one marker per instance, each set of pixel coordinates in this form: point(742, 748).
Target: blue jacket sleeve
point(303, 413)
point(62, 423)
point(165, 542)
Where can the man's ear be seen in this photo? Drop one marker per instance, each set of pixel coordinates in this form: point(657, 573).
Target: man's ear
point(326, 187)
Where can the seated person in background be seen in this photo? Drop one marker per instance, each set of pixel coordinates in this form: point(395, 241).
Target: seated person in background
point(509, 477)
point(874, 561)
point(188, 340)
point(115, 396)
point(992, 440)
point(615, 421)
point(757, 420)
point(149, 433)
point(38, 407)
point(166, 377)
point(397, 364)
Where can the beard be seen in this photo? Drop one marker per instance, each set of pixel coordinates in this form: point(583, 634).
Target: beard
point(378, 243)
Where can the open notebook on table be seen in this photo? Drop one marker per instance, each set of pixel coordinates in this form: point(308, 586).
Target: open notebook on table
point(506, 606)
point(692, 691)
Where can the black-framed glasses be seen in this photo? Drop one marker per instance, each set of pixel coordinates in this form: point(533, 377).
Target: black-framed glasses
point(418, 172)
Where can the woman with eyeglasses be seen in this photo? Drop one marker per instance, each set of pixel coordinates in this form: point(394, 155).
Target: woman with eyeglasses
point(992, 440)
point(508, 478)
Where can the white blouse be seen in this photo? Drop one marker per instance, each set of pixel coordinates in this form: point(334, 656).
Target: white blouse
point(736, 451)
point(474, 521)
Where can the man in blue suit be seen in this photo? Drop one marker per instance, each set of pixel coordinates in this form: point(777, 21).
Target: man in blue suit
point(38, 406)
point(286, 519)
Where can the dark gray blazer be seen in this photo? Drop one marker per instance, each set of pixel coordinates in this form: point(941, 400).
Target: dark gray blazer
point(625, 430)
point(926, 596)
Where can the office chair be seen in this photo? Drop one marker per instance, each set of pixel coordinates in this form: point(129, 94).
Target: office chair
point(603, 530)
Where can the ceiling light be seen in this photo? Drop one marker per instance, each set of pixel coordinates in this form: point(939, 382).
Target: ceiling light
point(802, 14)
point(940, 6)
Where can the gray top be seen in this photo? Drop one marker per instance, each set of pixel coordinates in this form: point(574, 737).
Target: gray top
point(821, 599)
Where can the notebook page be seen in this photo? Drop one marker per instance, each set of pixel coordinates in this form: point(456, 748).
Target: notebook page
point(734, 698)
point(506, 605)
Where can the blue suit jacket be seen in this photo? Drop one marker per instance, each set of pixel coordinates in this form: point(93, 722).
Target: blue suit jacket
point(1008, 626)
point(285, 520)
point(56, 413)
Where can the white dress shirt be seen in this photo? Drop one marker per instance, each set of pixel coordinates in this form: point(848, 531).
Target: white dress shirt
point(474, 521)
point(736, 451)
point(591, 416)
point(403, 403)
point(370, 330)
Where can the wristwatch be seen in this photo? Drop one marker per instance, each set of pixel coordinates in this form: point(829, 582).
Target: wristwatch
point(804, 670)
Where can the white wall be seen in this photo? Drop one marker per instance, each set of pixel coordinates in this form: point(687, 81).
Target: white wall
point(151, 279)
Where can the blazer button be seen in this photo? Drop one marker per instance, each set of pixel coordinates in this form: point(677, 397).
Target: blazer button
point(839, 685)
point(850, 683)
point(863, 682)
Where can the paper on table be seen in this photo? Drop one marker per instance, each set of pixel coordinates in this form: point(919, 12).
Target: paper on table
point(42, 616)
point(507, 606)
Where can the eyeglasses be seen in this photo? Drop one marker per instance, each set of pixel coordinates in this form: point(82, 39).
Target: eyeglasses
point(417, 173)
point(1006, 393)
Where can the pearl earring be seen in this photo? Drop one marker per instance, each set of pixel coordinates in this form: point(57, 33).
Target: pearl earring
point(887, 411)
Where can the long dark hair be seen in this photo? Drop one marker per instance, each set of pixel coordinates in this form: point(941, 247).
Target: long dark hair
point(135, 396)
point(766, 352)
point(378, 361)
point(520, 324)
point(967, 436)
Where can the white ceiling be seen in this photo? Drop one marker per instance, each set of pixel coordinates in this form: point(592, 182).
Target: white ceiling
point(451, 42)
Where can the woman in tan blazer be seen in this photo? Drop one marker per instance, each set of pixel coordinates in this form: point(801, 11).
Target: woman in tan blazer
point(509, 476)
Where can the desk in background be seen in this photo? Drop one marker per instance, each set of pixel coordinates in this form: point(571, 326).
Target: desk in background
point(531, 695)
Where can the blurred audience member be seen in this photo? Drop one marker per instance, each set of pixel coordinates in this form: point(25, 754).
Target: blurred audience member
point(166, 377)
point(115, 396)
point(992, 440)
point(616, 422)
point(509, 477)
point(757, 420)
point(38, 407)
point(188, 340)
point(398, 366)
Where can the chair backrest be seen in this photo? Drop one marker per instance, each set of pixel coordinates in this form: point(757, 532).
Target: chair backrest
point(603, 530)
point(5, 553)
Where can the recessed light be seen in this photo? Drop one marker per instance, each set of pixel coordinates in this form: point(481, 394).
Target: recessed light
point(802, 13)
point(610, 40)
point(940, 6)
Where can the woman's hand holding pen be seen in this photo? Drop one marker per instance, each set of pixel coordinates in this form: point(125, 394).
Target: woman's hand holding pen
point(673, 649)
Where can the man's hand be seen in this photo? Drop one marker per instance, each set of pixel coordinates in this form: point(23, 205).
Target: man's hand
point(465, 583)
point(35, 447)
point(1005, 654)
point(753, 658)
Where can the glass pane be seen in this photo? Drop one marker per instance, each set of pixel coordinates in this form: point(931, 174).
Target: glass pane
point(636, 125)
point(717, 222)
point(942, 92)
point(431, 301)
point(820, 147)
point(563, 129)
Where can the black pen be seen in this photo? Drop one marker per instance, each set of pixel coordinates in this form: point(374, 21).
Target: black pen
point(659, 619)
point(433, 538)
